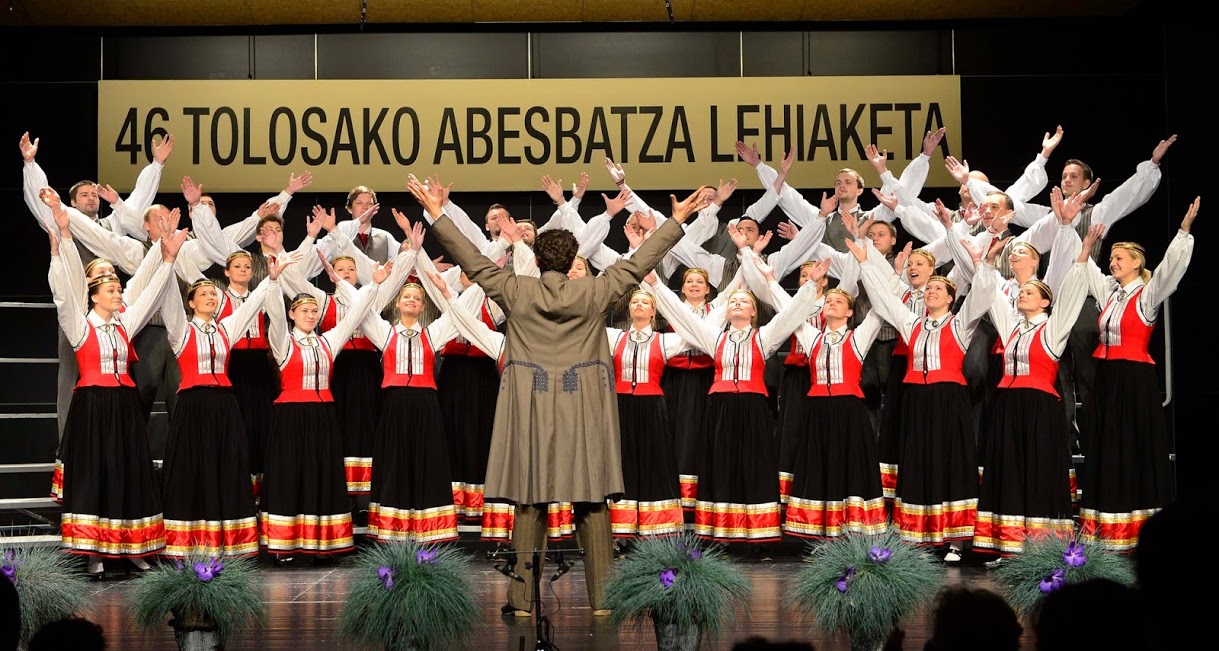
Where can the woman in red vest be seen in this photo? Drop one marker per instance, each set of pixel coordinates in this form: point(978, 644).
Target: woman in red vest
point(254, 377)
point(1127, 475)
point(304, 505)
point(686, 383)
point(936, 496)
point(1026, 485)
point(111, 508)
point(833, 467)
point(209, 507)
point(738, 497)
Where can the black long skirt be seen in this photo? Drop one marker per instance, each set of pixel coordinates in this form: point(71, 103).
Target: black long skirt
point(892, 437)
point(651, 498)
point(937, 489)
point(412, 492)
point(111, 505)
point(686, 397)
point(836, 479)
point(304, 504)
point(468, 388)
point(1026, 478)
point(256, 385)
point(209, 507)
point(793, 389)
point(1127, 475)
point(356, 384)
point(738, 497)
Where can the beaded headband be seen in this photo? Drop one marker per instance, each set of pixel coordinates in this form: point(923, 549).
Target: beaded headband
point(944, 279)
point(850, 299)
point(102, 280)
point(95, 262)
point(240, 253)
point(1045, 289)
point(1032, 249)
point(1133, 247)
point(926, 254)
point(303, 299)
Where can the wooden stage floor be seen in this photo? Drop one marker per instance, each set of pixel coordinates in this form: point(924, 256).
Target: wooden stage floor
point(305, 603)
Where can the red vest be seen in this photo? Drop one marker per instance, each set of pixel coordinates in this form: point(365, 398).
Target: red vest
point(916, 306)
point(638, 373)
point(1123, 332)
point(739, 366)
point(204, 361)
point(408, 361)
point(459, 345)
point(109, 369)
point(306, 376)
point(330, 318)
point(936, 356)
point(253, 339)
point(691, 360)
point(1027, 364)
point(835, 370)
point(796, 355)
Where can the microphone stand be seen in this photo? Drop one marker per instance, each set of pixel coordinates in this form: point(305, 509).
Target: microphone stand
point(542, 623)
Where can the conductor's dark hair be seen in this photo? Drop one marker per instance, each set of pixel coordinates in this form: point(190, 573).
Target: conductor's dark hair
point(555, 250)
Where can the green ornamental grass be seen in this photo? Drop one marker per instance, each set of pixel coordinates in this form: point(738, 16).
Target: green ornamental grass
point(410, 596)
point(49, 584)
point(675, 580)
point(862, 586)
point(200, 592)
point(1050, 561)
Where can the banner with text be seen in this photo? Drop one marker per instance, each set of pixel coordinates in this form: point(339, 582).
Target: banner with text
point(502, 135)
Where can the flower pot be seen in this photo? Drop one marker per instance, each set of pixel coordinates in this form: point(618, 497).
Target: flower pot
point(194, 633)
point(672, 636)
point(198, 640)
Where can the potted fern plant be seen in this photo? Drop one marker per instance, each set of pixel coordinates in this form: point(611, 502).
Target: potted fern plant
point(208, 600)
point(48, 583)
point(685, 588)
point(1052, 560)
point(862, 586)
point(410, 596)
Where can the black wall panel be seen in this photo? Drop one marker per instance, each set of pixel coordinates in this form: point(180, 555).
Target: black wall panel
point(423, 56)
point(283, 57)
point(887, 52)
point(775, 54)
point(636, 54)
point(177, 57)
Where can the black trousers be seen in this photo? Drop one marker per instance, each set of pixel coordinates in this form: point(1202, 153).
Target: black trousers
point(1077, 368)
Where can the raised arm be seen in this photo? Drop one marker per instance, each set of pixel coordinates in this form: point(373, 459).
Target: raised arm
point(500, 285)
point(698, 332)
point(889, 307)
point(136, 316)
point(173, 313)
point(338, 335)
point(467, 324)
point(1172, 268)
point(772, 335)
point(244, 316)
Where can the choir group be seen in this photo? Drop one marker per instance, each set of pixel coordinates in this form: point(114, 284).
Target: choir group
point(932, 389)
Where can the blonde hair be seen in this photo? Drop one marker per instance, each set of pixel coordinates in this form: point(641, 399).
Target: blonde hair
point(753, 300)
point(926, 254)
point(858, 177)
point(850, 299)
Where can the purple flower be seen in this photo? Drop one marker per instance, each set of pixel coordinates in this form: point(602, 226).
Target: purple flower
point(386, 575)
point(10, 573)
point(844, 581)
point(695, 553)
point(209, 570)
point(880, 555)
point(667, 577)
point(426, 556)
point(11, 563)
point(1074, 556)
point(691, 550)
point(178, 564)
point(1053, 581)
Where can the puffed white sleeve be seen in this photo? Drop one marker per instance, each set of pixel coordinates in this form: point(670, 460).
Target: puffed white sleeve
point(773, 334)
point(243, 317)
point(1031, 182)
point(890, 307)
point(1067, 305)
point(698, 332)
point(66, 292)
point(278, 337)
point(173, 313)
point(473, 329)
point(136, 316)
point(338, 336)
point(1168, 273)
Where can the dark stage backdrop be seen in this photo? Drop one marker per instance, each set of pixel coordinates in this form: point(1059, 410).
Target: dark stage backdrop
point(1116, 85)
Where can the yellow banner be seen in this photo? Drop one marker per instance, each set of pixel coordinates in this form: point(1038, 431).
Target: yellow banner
point(502, 135)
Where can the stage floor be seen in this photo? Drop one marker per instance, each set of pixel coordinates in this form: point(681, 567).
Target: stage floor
point(305, 603)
